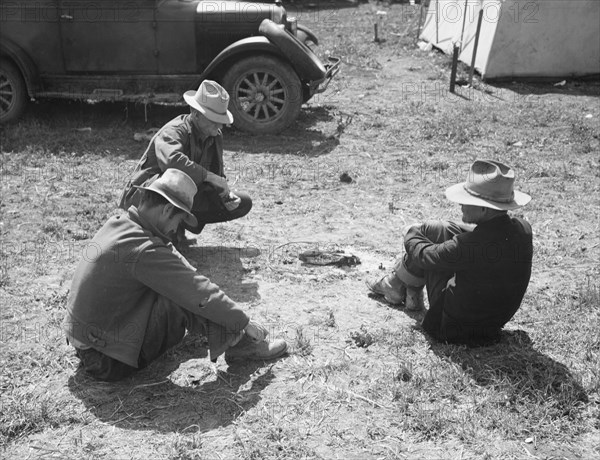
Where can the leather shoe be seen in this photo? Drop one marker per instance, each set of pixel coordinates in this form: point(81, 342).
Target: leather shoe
point(390, 287)
point(258, 351)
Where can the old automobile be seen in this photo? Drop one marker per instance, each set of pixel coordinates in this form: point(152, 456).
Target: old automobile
point(151, 51)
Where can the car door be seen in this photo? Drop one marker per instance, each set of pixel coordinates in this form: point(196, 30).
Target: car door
point(176, 39)
point(108, 36)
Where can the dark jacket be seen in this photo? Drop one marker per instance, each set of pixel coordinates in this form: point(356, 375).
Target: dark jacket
point(124, 269)
point(492, 267)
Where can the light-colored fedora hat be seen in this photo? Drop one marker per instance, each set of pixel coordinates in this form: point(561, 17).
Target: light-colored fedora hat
point(489, 184)
point(211, 100)
point(178, 189)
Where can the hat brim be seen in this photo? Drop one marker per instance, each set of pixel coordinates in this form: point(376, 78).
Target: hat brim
point(458, 194)
point(190, 219)
point(227, 119)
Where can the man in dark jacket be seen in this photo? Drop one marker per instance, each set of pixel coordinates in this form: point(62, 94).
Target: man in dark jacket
point(134, 295)
point(193, 143)
point(475, 277)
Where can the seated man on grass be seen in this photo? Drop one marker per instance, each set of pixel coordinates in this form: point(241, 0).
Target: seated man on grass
point(134, 295)
point(475, 277)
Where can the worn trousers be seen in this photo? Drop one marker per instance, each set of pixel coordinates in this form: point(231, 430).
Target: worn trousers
point(167, 326)
point(209, 208)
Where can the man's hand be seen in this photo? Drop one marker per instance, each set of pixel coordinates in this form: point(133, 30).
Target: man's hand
point(256, 332)
point(232, 201)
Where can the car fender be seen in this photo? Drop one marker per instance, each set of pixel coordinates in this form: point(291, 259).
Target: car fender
point(308, 66)
point(24, 63)
point(250, 45)
point(307, 69)
point(307, 34)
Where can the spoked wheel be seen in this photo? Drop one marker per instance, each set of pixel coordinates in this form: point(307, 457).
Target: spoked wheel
point(13, 94)
point(265, 92)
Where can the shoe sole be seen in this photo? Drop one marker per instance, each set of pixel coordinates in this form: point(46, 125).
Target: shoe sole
point(253, 358)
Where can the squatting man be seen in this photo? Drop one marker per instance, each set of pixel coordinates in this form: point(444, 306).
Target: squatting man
point(193, 143)
point(138, 296)
point(475, 277)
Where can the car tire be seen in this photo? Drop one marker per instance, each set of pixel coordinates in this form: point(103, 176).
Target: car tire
point(266, 94)
point(13, 92)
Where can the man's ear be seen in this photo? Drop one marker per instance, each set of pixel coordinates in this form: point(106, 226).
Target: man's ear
point(168, 210)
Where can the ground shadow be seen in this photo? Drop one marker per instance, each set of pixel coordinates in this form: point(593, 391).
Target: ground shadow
point(563, 86)
point(165, 397)
point(103, 128)
point(298, 6)
point(513, 361)
point(301, 138)
point(223, 265)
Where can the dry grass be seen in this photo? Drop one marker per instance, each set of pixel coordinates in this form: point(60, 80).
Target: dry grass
point(362, 381)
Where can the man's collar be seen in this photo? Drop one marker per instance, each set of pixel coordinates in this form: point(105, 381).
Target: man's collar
point(135, 216)
point(199, 132)
point(495, 221)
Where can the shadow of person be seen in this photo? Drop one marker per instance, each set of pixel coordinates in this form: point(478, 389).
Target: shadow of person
point(303, 138)
point(513, 362)
point(177, 392)
point(223, 265)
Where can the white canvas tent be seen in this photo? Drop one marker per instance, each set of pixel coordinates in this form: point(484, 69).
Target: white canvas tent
point(522, 39)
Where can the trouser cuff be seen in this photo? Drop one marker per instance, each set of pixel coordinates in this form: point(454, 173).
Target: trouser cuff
point(407, 277)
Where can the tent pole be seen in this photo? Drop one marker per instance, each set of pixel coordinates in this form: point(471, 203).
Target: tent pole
point(437, 21)
point(479, 19)
point(420, 19)
point(462, 32)
point(454, 66)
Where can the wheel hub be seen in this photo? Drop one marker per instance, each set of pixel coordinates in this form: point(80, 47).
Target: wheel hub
point(260, 96)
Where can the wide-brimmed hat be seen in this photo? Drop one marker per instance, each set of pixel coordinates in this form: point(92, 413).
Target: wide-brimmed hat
point(489, 184)
point(178, 189)
point(211, 100)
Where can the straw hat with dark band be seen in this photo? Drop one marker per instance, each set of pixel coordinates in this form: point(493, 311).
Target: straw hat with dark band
point(489, 184)
point(211, 100)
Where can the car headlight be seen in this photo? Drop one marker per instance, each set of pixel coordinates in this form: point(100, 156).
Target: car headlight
point(279, 14)
point(292, 25)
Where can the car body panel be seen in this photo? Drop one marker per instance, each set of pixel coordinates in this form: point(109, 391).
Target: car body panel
point(148, 50)
point(176, 28)
point(100, 37)
point(35, 29)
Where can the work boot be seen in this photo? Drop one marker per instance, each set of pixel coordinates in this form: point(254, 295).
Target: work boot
point(414, 298)
point(390, 287)
point(264, 350)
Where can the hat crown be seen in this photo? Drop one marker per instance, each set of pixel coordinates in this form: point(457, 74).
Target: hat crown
point(491, 180)
point(212, 97)
point(176, 186)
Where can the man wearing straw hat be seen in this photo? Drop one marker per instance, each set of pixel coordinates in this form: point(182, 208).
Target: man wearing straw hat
point(475, 277)
point(134, 295)
point(193, 143)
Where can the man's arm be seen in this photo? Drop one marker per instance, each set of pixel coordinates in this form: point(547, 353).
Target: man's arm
point(456, 254)
point(173, 151)
point(165, 271)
